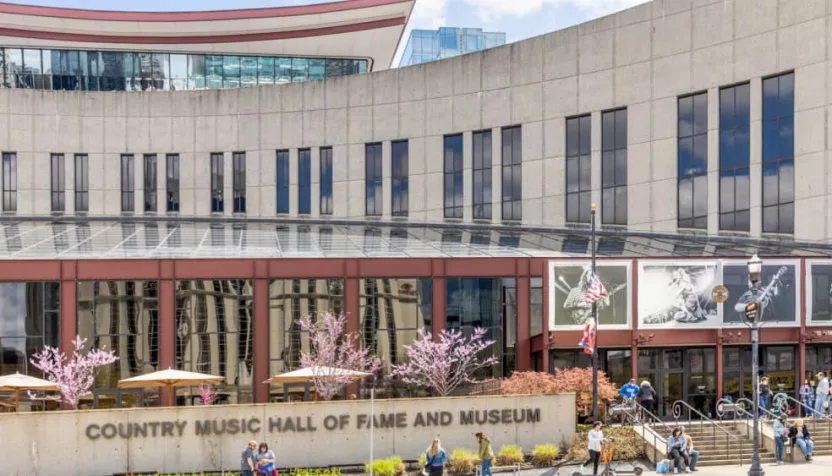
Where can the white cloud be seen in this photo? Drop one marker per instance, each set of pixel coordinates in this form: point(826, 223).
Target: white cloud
point(429, 14)
point(491, 10)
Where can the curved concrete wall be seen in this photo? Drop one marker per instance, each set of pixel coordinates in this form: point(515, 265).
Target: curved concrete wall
point(642, 59)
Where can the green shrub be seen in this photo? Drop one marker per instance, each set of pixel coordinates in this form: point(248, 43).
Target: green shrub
point(462, 461)
point(510, 455)
point(423, 459)
point(628, 445)
point(544, 456)
point(392, 466)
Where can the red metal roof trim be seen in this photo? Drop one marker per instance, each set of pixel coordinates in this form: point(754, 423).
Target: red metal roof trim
point(212, 15)
point(168, 40)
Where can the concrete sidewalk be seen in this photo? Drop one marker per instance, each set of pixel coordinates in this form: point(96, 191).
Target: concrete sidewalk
point(821, 466)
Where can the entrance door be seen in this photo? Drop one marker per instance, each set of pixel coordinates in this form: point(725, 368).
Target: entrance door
point(777, 362)
point(680, 374)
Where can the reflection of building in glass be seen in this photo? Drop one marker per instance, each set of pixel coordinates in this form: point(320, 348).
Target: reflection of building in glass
point(392, 310)
point(425, 46)
point(122, 316)
point(214, 325)
point(289, 301)
point(29, 319)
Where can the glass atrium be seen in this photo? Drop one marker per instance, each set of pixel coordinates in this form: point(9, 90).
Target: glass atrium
point(126, 71)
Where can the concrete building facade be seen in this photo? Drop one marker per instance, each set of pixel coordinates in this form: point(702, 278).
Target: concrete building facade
point(643, 59)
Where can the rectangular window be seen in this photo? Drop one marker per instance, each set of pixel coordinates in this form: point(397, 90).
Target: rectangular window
point(326, 181)
point(304, 181)
point(482, 175)
point(400, 178)
point(128, 183)
point(239, 181)
point(57, 173)
point(217, 182)
point(614, 167)
point(150, 184)
point(778, 154)
point(372, 180)
point(693, 161)
point(578, 162)
point(9, 182)
point(283, 181)
point(734, 159)
point(512, 174)
point(453, 176)
point(82, 183)
point(172, 182)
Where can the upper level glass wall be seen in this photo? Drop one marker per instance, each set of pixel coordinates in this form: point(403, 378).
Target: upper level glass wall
point(431, 45)
point(128, 71)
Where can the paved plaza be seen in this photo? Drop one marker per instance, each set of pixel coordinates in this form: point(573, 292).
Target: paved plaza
point(822, 465)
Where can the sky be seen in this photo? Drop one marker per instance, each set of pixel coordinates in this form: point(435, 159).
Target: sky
point(519, 19)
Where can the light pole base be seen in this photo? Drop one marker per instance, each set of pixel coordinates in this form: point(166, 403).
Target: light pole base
point(756, 470)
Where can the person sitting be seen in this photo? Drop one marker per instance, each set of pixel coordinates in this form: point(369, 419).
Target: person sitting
point(676, 451)
point(693, 454)
point(799, 435)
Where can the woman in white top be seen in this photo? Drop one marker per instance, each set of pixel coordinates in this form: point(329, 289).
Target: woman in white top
point(594, 440)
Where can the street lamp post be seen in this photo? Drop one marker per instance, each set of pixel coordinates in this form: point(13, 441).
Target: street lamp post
point(595, 323)
point(754, 316)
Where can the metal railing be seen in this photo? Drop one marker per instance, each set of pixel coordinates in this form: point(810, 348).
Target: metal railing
point(679, 406)
point(815, 414)
point(768, 412)
point(725, 406)
point(639, 414)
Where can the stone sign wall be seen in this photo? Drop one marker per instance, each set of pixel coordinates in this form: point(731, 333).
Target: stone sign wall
point(185, 439)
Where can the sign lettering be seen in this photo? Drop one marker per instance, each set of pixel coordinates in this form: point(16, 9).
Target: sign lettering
point(309, 424)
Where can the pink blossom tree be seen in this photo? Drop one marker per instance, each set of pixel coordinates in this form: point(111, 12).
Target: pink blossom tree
point(444, 364)
point(207, 394)
point(74, 376)
point(335, 355)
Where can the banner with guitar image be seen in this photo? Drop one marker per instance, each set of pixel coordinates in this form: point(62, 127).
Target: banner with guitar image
point(679, 294)
point(777, 291)
point(567, 295)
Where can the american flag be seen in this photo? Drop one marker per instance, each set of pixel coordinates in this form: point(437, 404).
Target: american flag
point(595, 289)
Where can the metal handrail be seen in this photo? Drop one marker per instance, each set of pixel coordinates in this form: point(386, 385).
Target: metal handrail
point(770, 413)
point(656, 437)
point(814, 413)
point(678, 405)
point(737, 407)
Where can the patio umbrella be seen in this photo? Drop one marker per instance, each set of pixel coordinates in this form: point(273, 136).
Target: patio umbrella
point(169, 379)
point(308, 373)
point(16, 382)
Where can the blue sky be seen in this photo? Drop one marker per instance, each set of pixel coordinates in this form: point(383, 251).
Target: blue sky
point(519, 19)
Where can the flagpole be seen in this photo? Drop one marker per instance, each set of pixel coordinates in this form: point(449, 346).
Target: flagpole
point(595, 321)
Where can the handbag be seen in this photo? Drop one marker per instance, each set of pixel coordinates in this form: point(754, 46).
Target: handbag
point(663, 466)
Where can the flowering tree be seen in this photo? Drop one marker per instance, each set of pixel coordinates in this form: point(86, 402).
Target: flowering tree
point(74, 376)
point(334, 355)
point(444, 364)
point(207, 394)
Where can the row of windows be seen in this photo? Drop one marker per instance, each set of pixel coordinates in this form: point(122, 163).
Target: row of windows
point(128, 71)
point(735, 157)
point(511, 168)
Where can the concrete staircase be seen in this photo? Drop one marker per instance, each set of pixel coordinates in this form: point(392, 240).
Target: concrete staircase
point(821, 431)
point(716, 448)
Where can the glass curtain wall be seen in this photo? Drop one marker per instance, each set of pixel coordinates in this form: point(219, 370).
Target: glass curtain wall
point(392, 310)
point(290, 300)
point(214, 335)
point(30, 321)
point(482, 302)
point(122, 316)
point(129, 71)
